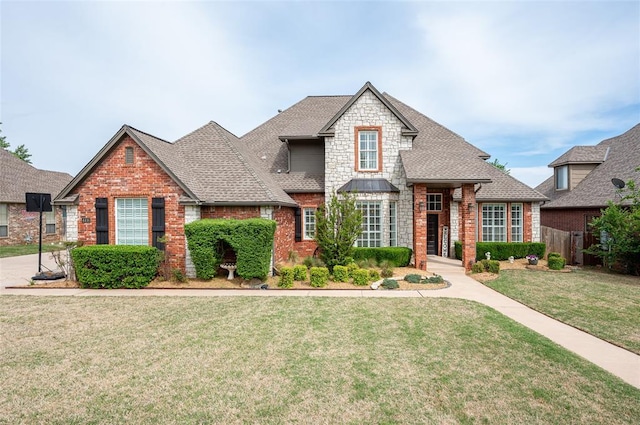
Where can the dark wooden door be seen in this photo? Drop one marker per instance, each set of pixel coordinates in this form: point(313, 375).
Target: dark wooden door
point(432, 234)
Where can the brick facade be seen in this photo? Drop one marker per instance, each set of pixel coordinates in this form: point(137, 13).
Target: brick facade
point(238, 213)
point(467, 230)
point(568, 219)
point(420, 226)
point(23, 226)
point(112, 178)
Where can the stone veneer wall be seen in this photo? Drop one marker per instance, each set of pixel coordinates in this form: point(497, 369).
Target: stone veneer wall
point(22, 223)
point(454, 219)
point(535, 222)
point(191, 214)
point(340, 161)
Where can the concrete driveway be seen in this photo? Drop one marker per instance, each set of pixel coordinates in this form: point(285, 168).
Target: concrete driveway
point(17, 271)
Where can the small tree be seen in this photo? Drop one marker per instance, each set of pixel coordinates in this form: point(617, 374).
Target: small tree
point(3, 141)
point(619, 229)
point(23, 153)
point(501, 167)
point(338, 226)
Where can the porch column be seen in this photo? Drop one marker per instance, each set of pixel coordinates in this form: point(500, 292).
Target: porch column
point(420, 225)
point(468, 225)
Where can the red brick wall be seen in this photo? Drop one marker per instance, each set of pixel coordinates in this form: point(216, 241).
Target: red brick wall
point(306, 248)
point(22, 223)
point(285, 233)
point(112, 179)
point(238, 213)
point(467, 233)
point(567, 219)
point(420, 226)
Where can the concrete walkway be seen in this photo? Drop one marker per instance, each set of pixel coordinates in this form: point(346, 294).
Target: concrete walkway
point(620, 362)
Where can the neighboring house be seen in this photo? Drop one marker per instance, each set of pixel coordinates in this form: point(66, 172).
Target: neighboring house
point(417, 183)
point(581, 184)
point(17, 226)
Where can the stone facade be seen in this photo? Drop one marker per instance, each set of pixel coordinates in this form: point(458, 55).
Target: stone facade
point(535, 222)
point(191, 214)
point(340, 161)
point(22, 226)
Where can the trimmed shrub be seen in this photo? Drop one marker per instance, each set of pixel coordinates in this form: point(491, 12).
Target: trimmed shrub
point(457, 247)
point(251, 239)
point(361, 277)
point(556, 263)
point(503, 250)
point(340, 274)
point(115, 266)
point(352, 267)
point(554, 254)
point(398, 255)
point(286, 277)
point(374, 275)
point(433, 279)
point(319, 277)
point(390, 284)
point(300, 273)
point(477, 268)
point(413, 278)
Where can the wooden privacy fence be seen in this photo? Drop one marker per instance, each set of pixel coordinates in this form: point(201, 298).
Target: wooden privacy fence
point(570, 245)
point(557, 241)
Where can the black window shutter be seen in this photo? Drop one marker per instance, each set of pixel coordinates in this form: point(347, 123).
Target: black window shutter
point(157, 222)
point(298, 221)
point(102, 221)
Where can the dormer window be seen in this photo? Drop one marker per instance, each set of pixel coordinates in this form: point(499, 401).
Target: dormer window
point(562, 177)
point(128, 155)
point(368, 148)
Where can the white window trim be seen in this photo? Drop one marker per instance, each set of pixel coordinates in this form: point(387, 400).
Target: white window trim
point(368, 152)
point(393, 223)
point(50, 220)
point(309, 213)
point(565, 173)
point(520, 226)
point(4, 218)
point(491, 209)
point(370, 236)
point(120, 240)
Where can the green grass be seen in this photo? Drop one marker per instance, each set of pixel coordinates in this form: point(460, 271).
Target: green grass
point(16, 250)
point(603, 304)
point(186, 360)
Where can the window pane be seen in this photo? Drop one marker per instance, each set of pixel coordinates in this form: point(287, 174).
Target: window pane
point(562, 177)
point(368, 150)
point(434, 202)
point(309, 223)
point(494, 223)
point(132, 221)
point(393, 233)
point(371, 224)
point(516, 223)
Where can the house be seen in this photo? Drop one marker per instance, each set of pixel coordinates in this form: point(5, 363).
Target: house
point(17, 226)
point(417, 183)
point(581, 185)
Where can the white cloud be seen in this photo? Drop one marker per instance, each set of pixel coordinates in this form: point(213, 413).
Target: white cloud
point(531, 176)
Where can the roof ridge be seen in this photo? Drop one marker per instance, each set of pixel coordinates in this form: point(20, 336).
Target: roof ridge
point(147, 134)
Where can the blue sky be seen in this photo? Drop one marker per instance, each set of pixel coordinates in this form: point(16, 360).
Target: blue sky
point(522, 80)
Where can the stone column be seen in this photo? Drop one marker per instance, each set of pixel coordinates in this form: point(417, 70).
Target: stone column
point(420, 225)
point(468, 225)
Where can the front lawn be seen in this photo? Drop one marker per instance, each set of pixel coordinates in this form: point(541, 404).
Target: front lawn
point(15, 250)
point(150, 360)
point(603, 304)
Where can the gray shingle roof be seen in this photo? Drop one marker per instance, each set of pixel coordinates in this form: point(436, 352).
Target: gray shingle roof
point(368, 186)
point(503, 188)
point(18, 177)
point(210, 164)
point(438, 154)
point(596, 189)
point(582, 155)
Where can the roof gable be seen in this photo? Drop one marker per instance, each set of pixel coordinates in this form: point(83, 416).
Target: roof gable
point(408, 130)
point(582, 155)
point(159, 150)
point(19, 177)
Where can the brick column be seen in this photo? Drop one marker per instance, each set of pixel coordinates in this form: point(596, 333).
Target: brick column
point(420, 225)
point(468, 225)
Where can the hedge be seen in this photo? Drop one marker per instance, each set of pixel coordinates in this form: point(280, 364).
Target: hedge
point(115, 266)
point(251, 239)
point(319, 276)
point(398, 255)
point(503, 250)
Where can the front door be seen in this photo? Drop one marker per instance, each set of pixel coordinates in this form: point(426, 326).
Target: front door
point(432, 234)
